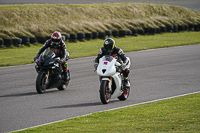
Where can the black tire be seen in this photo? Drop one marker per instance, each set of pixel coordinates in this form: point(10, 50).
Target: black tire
point(115, 33)
point(152, 31)
point(134, 32)
point(63, 38)
point(88, 36)
point(146, 30)
point(8, 42)
point(175, 29)
point(129, 33)
point(104, 94)
point(41, 40)
point(95, 35)
point(1, 43)
point(73, 38)
point(196, 27)
point(81, 37)
point(187, 27)
point(48, 37)
point(141, 31)
point(40, 85)
point(33, 40)
point(17, 42)
point(67, 37)
point(163, 29)
point(158, 31)
point(191, 27)
point(122, 33)
point(169, 28)
point(108, 33)
point(63, 85)
point(25, 40)
point(102, 35)
point(181, 28)
point(125, 94)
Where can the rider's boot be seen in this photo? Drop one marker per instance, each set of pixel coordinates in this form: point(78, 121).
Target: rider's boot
point(65, 79)
point(127, 82)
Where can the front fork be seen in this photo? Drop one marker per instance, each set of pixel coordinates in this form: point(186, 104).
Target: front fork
point(47, 78)
point(109, 82)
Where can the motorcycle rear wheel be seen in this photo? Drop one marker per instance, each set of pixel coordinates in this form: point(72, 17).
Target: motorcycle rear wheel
point(125, 94)
point(105, 95)
point(40, 83)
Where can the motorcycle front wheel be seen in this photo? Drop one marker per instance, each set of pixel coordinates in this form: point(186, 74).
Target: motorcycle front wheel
point(105, 95)
point(40, 83)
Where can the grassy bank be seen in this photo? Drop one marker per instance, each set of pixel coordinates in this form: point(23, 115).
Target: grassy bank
point(173, 115)
point(42, 19)
point(24, 55)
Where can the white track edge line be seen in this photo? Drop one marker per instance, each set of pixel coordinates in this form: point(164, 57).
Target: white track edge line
point(111, 110)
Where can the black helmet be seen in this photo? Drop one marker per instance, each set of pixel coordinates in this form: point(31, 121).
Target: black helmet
point(109, 44)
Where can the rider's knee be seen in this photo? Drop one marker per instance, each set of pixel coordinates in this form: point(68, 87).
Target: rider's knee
point(126, 72)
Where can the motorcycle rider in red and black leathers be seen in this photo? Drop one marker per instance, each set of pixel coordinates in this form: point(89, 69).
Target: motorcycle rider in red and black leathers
point(109, 48)
point(57, 45)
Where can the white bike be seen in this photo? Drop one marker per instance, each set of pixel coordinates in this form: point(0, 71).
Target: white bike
point(111, 79)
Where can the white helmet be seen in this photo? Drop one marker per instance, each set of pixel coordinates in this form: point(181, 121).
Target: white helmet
point(56, 38)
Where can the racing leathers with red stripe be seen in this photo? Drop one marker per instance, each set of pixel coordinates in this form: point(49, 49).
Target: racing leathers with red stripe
point(59, 50)
point(116, 52)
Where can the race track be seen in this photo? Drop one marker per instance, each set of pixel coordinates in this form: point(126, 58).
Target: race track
point(155, 74)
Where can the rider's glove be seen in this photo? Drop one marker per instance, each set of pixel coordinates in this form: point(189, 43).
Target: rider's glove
point(95, 66)
point(36, 57)
point(62, 61)
point(58, 60)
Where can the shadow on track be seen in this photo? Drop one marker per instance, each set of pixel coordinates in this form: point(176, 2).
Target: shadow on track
point(81, 105)
point(20, 94)
point(27, 94)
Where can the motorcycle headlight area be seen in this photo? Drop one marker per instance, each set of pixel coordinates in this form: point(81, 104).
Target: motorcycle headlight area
point(55, 65)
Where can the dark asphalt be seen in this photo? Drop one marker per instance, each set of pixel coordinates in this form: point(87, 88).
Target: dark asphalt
point(155, 74)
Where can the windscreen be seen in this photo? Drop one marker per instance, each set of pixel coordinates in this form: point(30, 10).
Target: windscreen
point(48, 52)
point(107, 58)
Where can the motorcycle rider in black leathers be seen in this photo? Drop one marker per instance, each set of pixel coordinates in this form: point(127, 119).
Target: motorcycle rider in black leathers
point(109, 48)
point(57, 45)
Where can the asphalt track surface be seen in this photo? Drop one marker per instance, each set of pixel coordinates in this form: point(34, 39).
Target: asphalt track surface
point(155, 74)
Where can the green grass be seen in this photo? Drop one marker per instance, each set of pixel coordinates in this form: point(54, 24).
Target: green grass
point(43, 19)
point(179, 114)
point(25, 55)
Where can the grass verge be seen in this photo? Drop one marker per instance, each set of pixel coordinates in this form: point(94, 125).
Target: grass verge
point(179, 114)
point(25, 55)
point(43, 19)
